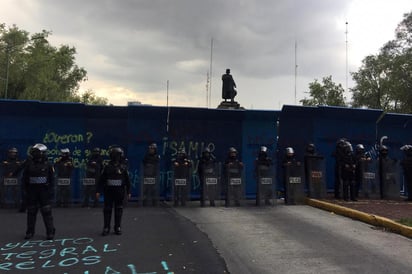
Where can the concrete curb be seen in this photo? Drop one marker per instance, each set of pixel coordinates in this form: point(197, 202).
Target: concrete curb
point(361, 216)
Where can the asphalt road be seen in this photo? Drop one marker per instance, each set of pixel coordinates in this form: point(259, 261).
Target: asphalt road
point(279, 239)
point(154, 240)
point(300, 239)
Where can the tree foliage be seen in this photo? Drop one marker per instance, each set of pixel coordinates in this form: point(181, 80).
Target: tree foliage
point(325, 93)
point(384, 81)
point(32, 69)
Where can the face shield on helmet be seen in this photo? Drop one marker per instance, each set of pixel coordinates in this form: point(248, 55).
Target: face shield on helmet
point(359, 149)
point(38, 152)
point(65, 153)
point(12, 153)
point(289, 152)
point(263, 152)
point(152, 148)
point(116, 153)
point(96, 151)
point(383, 150)
point(232, 152)
point(206, 153)
point(310, 148)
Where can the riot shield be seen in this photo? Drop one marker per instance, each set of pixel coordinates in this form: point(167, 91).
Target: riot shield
point(210, 183)
point(390, 179)
point(295, 187)
point(369, 187)
point(235, 183)
point(63, 196)
point(315, 177)
point(265, 185)
point(181, 184)
point(149, 184)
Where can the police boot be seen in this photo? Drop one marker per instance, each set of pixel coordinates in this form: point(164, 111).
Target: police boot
point(353, 192)
point(345, 191)
point(31, 221)
point(46, 212)
point(107, 215)
point(118, 220)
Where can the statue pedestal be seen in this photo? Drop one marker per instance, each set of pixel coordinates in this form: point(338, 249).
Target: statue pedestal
point(229, 105)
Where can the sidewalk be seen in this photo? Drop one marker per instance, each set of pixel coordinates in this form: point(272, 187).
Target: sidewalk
point(371, 213)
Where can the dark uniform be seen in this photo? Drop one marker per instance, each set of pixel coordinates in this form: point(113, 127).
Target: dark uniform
point(93, 169)
point(339, 154)
point(10, 184)
point(264, 184)
point(293, 188)
point(64, 169)
point(406, 164)
point(150, 187)
point(114, 183)
point(233, 169)
point(362, 161)
point(348, 173)
point(181, 172)
point(209, 178)
point(37, 179)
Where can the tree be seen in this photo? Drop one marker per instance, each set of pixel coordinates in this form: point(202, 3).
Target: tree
point(35, 70)
point(89, 98)
point(384, 81)
point(325, 93)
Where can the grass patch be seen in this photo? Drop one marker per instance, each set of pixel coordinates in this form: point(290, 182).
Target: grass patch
point(406, 221)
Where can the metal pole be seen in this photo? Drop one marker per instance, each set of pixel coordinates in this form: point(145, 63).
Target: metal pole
point(346, 69)
point(167, 105)
point(210, 72)
point(296, 66)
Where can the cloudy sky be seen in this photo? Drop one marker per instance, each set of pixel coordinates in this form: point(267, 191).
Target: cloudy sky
point(131, 49)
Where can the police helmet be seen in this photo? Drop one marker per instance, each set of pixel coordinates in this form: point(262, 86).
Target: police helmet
point(12, 152)
point(38, 151)
point(116, 153)
point(348, 147)
point(359, 148)
point(289, 151)
point(310, 148)
point(383, 150)
point(65, 152)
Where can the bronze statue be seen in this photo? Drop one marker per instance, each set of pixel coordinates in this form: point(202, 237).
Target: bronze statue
point(228, 86)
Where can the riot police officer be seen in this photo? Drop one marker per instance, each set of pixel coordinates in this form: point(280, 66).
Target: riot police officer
point(209, 178)
point(264, 184)
point(64, 169)
point(339, 154)
point(292, 177)
point(37, 179)
point(233, 169)
point(93, 169)
point(406, 164)
point(362, 159)
point(348, 172)
point(10, 182)
point(150, 183)
point(114, 182)
point(181, 171)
